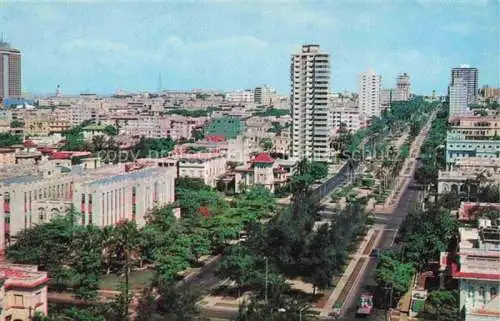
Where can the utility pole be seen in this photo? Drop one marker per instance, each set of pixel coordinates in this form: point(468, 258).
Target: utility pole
point(266, 282)
point(387, 288)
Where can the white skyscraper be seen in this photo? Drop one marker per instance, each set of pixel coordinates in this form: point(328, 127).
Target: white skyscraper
point(403, 84)
point(458, 93)
point(311, 117)
point(369, 94)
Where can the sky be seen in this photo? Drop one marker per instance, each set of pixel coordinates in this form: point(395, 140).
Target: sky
point(102, 46)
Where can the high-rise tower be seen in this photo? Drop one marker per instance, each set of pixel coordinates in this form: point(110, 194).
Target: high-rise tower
point(312, 126)
point(369, 95)
point(469, 76)
point(403, 84)
point(10, 71)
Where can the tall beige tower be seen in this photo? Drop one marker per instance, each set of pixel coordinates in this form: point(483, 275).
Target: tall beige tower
point(10, 71)
point(312, 126)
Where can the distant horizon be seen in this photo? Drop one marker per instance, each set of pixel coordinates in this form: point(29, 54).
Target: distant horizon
point(99, 46)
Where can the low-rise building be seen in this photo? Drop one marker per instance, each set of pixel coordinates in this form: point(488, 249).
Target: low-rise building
point(465, 174)
point(23, 292)
point(475, 266)
point(229, 127)
point(458, 146)
point(263, 170)
point(475, 127)
point(206, 166)
point(7, 156)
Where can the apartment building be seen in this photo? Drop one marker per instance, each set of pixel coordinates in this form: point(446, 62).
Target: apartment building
point(10, 71)
point(263, 95)
point(240, 96)
point(459, 97)
point(403, 88)
point(467, 76)
point(349, 116)
point(386, 98)
point(490, 93)
point(369, 88)
point(104, 195)
point(311, 116)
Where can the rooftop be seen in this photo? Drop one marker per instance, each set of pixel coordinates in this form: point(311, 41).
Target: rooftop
point(24, 276)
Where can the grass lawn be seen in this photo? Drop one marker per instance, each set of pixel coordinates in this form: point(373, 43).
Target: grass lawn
point(138, 279)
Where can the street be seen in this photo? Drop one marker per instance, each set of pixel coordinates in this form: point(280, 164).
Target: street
point(368, 283)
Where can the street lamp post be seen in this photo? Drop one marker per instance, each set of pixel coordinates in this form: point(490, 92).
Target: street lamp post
point(266, 281)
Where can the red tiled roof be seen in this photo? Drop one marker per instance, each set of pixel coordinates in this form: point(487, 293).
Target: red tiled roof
point(470, 211)
point(263, 158)
point(215, 138)
point(61, 155)
point(456, 274)
point(45, 149)
point(29, 143)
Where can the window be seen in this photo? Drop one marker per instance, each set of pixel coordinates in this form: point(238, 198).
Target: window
point(471, 291)
point(493, 293)
point(18, 300)
point(482, 293)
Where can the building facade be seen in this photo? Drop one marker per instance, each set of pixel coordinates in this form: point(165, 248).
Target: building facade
point(10, 71)
point(263, 95)
point(468, 76)
point(229, 127)
point(457, 146)
point(459, 97)
point(23, 292)
point(104, 196)
point(311, 117)
point(403, 87)
point(476, 269)
point(369, 88)
point(348, 116)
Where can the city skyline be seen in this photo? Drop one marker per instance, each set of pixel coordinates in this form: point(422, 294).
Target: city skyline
point(101, 46)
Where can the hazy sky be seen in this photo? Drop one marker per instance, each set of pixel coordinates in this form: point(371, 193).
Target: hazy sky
point(101, 46)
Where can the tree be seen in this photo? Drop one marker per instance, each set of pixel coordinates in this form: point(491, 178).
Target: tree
point(86, 261)
point(8, 139)
point(178, 303)
point(16, 124)
point(197, 134)
point(440, 306)
point(317, 263)
point(319, 170)
point(237, 264)
point(390, 271)
point(154, 147)
point(286, 308)
point(266, 144)
point(46, 245)
point(110, 130)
